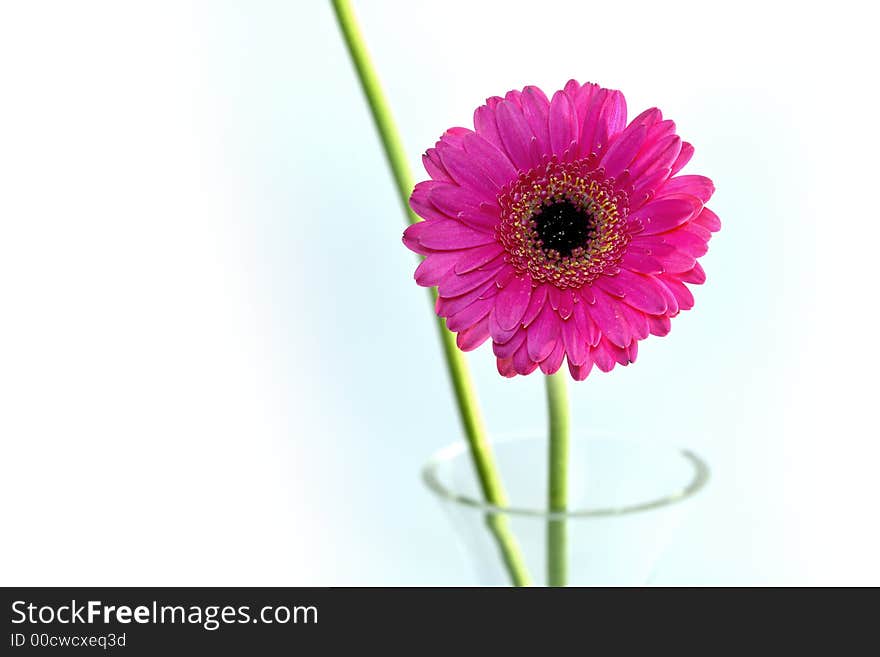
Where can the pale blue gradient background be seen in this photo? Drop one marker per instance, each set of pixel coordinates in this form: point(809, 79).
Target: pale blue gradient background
point(210, 323)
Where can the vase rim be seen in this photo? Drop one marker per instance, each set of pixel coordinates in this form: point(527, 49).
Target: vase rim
point(432, 479)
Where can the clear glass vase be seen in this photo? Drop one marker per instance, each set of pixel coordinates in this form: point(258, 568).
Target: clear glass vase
point(626, 499)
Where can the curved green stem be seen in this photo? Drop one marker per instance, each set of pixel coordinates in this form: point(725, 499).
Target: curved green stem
point(459, 375)
point(557, 480)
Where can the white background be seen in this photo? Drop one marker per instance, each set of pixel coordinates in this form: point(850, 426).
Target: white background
point(215, 367)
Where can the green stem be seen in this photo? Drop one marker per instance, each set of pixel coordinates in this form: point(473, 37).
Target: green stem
point(459, 375)
point(557, 480)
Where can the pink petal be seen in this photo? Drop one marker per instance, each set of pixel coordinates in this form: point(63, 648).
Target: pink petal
point(434, 167)
point(646, 187)
point(537, 153)
point(485, 126)
point(653, 245)
point(453, 137)
point(471, 338)
point(447, 306)
point(658, 156)
point(490, 159)
point(479, 219)
point(687, 242)
point(696, 229)
point(637, 320)
point(477, 257)
point(509, 348)
point(506, 368)
point(659, 325)
point(515, 97)
point(623, 181)
point(562, 301)
point(620, 354)
point(505, 277)
point(571, 88)
point(678, 261)
point(553, 362)
point(672, 308)
point(623, 150)
point(666, 213)
point(586, 294)
point(659, 130)
point(682, 295)
point(611, 285)
point(562, 122)
point(450, 235)
point(515, 134)
point(687, 151)
point(467, 173)
point(580, 372)
point(452, 199)
point(536, 304)
point(522, 363)
point(511, 303)
point(411, 237)
point(543, 334)
point(583, 95)
point(636, 260)
point(435, 267)
point(672, 258)
point(699, 186)
point(708, 220)
point(632, 352)
point(589, 119)
point(641, 292)
point(420, 202)
point(586, 326)
point(471, 315)
point(612, 120)
point(458, 284)
point(601, 354)
point(696, 275)
point(575, 344)
point(609, 318)
point(503, 336)
point(649, 118)
point(536, 108)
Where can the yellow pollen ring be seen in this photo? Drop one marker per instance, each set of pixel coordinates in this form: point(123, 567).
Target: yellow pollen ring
point(586, 188)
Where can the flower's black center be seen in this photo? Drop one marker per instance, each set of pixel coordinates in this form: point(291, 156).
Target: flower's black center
point(562, 227)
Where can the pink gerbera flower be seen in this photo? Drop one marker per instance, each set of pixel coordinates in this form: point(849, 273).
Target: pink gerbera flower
point(559, 231)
